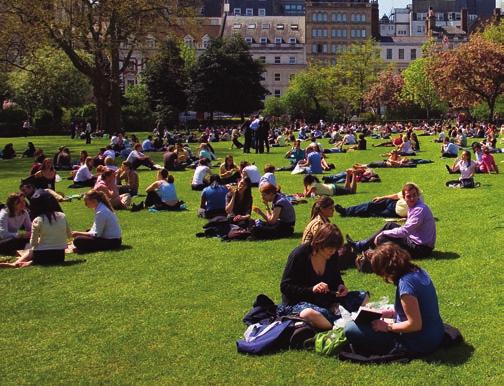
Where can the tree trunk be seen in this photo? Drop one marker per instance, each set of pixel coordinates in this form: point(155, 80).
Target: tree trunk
point(491, 108)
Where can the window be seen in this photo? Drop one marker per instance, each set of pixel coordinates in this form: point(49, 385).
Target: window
point(319, 16)
point(292, 40)
point(262, 59)
point(249, 11)
point(413, 54)
point(280, 26)
point(249, 40)
point(236, 26)
point(292, 60)
point(277, 77)
point(266, 26)
point(277, 93)
point(292, 76)
point(278, 41)
point(277, 60)
point(389, 53)
point(294, 27)
point(237, 11)
point(324, 48)
point(251, 26)
point(358, 33)
point(151, 43)
point(261, 12)
point(263, 40)
point(338, 17)
point(419, 29)
point(401, 53)
point(314, 48)
point(205, 42)
point(339, 33)
point(363, 33)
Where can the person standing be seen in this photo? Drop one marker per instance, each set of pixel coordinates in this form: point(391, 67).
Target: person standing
point(88, 131)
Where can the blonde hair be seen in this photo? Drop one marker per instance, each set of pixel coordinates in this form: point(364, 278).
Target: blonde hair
point(98, 196)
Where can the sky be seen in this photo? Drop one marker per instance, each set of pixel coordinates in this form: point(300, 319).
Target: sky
point(386, 5)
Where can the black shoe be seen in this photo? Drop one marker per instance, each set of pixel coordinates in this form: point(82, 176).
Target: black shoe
point(449, 169)
point(137, 207)
point(342, 211)
point(352, 244)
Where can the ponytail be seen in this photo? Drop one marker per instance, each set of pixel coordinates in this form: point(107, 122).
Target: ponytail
point(100, 197)
point(322, 203)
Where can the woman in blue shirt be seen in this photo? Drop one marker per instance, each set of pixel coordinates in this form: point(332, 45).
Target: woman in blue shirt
point(161, 194)
point(105, 234)
point(417, 326)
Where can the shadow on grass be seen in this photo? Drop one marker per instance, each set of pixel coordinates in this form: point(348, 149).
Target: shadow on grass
point(66, 263)
point(443, 255)
point(121, 248)
point(453, 356)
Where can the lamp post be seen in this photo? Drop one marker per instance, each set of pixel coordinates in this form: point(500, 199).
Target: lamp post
point(226, 11)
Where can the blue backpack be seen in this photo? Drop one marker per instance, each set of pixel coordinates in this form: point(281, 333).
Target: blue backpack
point(267, 337)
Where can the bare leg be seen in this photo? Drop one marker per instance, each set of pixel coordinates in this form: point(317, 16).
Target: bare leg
point(315, 318)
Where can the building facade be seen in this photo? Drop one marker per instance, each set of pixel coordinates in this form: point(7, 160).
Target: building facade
point(276, 41)
point(333, 25)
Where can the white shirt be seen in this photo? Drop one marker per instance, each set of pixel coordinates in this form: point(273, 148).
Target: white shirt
point(199, 174)
point(134, 155)
point(110, 153)
point(268, 178)
point(46, 236)
point(83, 174)
point(253, 173)
point(466, 171)
point(106, 225)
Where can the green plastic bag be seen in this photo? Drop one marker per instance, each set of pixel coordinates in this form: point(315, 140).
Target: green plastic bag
point(330, 342)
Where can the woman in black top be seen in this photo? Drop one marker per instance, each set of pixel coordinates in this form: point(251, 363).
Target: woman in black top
point(312, 286)
point(239, 201)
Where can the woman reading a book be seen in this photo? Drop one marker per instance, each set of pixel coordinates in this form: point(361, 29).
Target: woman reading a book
point(312, 286)
point(414, 325)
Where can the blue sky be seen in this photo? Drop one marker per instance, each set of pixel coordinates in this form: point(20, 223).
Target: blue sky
point(387, 5)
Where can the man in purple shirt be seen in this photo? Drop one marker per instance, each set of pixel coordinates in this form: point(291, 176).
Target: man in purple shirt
point(417, 235)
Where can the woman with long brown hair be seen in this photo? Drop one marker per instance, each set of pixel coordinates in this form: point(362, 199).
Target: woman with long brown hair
point(15, 225)
point(417, 326)
point(322, 210)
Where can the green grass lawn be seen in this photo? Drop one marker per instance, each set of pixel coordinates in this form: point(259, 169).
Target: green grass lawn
point(167, 309)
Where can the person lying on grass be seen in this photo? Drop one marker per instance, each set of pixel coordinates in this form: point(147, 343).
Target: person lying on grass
point(313, 186)
point(312, 287)
point(392, 205)
point(279, 220)
point(416, 326)
point(417, 235)
point(105, 234)
point(48, 238)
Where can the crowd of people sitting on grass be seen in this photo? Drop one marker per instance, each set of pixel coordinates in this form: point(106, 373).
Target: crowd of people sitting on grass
point(34, 228)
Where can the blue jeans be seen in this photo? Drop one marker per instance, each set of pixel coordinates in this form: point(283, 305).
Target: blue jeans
point(365, 341)
point(335, 178)
point(382, 208)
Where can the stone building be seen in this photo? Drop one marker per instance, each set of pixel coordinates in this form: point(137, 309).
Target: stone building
point(331, 25)
point(277, 41)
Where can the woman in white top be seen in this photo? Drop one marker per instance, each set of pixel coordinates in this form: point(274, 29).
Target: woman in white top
point(406, 148)
point(250, 171)
point(84, 177)
point(105, 234)
point(467, 168)
point(199, 181)
point(15, 225)
point(50, 232)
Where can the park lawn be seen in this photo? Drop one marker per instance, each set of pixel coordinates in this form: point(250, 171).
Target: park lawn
point(167, 308)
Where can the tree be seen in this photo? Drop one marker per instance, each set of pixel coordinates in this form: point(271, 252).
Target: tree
point(470, 73)
point(49, 81)
point(275, 107)
point(107, 30)
point(495, 33)
point(385, 92)
point(136, 112)
point(166, 81)
point(302, 96)
point(359, 66)
point(225, 78)
point(418, 87)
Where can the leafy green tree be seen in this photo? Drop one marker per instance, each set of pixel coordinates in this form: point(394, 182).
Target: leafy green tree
point(99, 37)
point(166, 80)
point(418, 87)
point(49, 81)
point(275, 107)
point(302, 96)
point(225, 78)
point(358, 67)
point(495, 33)
point(136, 112)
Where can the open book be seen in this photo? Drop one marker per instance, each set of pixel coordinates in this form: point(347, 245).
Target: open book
point(366, 315)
